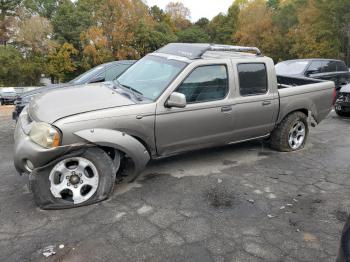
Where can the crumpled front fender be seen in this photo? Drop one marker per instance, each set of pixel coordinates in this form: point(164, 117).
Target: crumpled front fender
point(121, 141)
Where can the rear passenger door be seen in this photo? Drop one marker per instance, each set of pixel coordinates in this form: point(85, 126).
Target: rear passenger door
point(256, 105)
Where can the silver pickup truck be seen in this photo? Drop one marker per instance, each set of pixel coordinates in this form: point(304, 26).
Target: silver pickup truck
point(77, 142)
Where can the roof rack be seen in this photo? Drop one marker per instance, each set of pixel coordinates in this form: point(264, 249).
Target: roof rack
point(234, 48)
point(195, 51)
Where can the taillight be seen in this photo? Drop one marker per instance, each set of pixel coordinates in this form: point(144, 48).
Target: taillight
point(334, 96)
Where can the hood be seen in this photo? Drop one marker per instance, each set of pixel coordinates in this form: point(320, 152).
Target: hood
point(40, 90)
point(56, 104)
point(345, 89)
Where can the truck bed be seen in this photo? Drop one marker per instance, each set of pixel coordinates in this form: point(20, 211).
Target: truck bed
point(313, 95)
point(288, 81)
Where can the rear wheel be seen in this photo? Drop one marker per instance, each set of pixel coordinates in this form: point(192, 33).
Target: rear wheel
point(74, 181)
point(291, 133)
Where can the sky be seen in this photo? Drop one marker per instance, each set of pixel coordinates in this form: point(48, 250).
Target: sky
point(198, 8)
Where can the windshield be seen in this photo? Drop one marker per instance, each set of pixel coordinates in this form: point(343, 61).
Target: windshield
point(151, 75)
point(291, 67)
point(83, 78)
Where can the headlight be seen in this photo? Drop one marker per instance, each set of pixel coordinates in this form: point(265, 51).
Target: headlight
point(341, 96)
point(44, 135)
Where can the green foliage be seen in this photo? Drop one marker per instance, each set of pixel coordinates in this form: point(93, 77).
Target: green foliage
point(16, 70)
point(8, 7)
point(63, 38)
point(60, 62)
point(202, 23)
point(10, 60)
point(148, 39)
point(223, 27)
point(193, 34)
point(45, 8)
point(70, 20)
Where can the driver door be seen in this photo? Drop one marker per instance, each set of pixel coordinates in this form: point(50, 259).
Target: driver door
point(207, 118)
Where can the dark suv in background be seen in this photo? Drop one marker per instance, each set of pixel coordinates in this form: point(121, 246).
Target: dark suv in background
point(326, 69)
point(101, 73)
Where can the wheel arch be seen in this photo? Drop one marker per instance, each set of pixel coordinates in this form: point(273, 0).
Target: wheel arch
point(303, 110)
point(132, 146)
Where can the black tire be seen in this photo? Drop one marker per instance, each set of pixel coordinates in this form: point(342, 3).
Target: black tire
point(39, 182)
point(280, 135)
point(1, 102)
point(341, 113)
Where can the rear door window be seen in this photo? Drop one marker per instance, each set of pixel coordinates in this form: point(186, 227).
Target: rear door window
point(341, 66)
point(252, 79)
point(330, 66)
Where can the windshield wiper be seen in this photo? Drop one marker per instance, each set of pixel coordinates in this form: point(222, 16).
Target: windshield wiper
point(133, 91)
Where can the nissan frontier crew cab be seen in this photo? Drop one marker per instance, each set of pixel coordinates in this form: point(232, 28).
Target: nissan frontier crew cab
point(75, 143)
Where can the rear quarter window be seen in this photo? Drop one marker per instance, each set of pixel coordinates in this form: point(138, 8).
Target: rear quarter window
point(330, 66)
point(252, 79)
point(341, 66)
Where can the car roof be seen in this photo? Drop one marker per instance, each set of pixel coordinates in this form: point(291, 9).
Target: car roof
point(191, 51)
point(122, 62)
point(312, 59)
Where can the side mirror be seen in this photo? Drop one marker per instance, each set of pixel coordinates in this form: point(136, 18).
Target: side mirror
point(176, 100)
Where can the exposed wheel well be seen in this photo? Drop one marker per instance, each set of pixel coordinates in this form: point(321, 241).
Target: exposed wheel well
point(302, 110)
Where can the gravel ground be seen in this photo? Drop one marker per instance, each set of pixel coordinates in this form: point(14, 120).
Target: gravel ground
point(237, 203)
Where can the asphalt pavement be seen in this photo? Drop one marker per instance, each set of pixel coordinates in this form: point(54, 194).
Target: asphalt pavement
point(242, 202)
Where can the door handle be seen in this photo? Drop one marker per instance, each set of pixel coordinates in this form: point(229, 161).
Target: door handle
point(226, 108)
point(266, 103)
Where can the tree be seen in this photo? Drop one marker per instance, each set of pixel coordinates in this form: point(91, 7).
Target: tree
point(95, 48)
point(313, 36)
point(45, 8)
point(202, 23)
point(178, 10)
point(71, 19)
point(149, 39)
point(161, 19)
point(179, 14)
point(193, 34)
point(8, 7)
point(10, 60)
point(8, 10)
point(222, 27)
point(335, 17)
point(255, 28)
point(16, 70)
point(34, 35)
point(60, 62)
point(118, 19)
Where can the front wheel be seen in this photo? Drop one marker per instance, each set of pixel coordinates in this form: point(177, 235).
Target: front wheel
point(341, 113)
point(291, 133)
point(74, 181)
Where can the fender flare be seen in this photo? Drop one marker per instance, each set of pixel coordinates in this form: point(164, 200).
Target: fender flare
point(121, 141)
